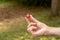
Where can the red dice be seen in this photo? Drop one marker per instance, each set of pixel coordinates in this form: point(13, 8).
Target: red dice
point(28, 16)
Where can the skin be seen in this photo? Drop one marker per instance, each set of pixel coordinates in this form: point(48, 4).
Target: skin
point(37, 28)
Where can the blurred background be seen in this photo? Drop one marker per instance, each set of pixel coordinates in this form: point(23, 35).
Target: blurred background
point(13, 25)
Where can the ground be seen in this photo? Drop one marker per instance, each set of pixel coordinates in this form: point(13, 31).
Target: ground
point(13, 25)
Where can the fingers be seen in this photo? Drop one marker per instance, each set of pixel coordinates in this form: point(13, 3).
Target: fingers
point(32, 24)
point(33, 19)
point(31, 29)
point(38, 32)
point(27, 20)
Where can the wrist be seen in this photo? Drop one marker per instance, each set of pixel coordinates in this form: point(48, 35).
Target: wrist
point(51, 31)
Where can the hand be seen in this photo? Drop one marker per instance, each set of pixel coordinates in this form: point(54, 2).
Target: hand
point(35, 27)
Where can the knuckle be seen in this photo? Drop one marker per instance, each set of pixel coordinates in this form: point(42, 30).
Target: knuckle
point(27, 29)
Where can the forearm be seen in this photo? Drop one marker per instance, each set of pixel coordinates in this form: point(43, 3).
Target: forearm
point(54, 31)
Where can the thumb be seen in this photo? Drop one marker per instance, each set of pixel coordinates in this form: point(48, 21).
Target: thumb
point(33, 19)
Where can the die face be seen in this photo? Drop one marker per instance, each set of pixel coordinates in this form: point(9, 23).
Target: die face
point(28, 16)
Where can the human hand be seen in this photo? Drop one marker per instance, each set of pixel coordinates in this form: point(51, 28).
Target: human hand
point(35, 27)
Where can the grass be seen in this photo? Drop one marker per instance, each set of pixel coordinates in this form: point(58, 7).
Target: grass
point(20, 32)
point(17, 30)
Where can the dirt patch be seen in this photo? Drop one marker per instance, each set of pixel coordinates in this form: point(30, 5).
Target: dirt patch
point(11, 23)
point(10, 16)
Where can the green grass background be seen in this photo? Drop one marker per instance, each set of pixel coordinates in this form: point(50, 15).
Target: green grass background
point(20, 32)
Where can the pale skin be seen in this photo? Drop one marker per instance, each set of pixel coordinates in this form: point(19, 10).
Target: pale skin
point(40, 29)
